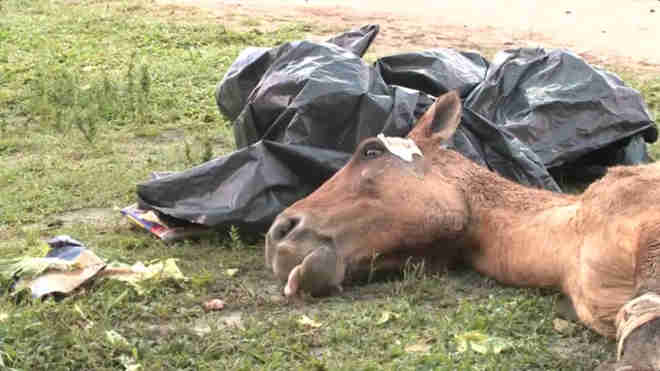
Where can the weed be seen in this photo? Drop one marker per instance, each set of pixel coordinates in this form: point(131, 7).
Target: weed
point(62, 99)
point(414, 273)
point(207, 155)
point(372, 265)
point(188, 152)
point(205, 152)
point(3, 124)
point(142, 111)
point(235, 238)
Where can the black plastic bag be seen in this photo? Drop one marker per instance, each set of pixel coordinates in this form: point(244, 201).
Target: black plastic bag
point(324, 96)
point(309, 106)
point(434, 71)
point(300, 109)
point(558, 105)
point(248, 187)
point(248, 69)
point(503, 153)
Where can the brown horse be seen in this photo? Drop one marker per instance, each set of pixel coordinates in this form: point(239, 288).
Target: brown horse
point(398, 198)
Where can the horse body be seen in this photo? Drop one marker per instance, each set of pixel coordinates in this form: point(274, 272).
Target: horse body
point(600, 248)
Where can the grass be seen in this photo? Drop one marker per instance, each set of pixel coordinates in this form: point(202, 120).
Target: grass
point(96, 95)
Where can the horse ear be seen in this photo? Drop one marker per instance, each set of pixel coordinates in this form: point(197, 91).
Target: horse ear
point(440, 121)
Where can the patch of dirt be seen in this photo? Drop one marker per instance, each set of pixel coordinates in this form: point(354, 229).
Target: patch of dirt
point(164, 136)
point(85, 216)
point(572, 347)
point(206, 324)
point(605, 32)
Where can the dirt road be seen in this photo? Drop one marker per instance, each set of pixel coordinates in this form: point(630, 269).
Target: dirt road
point(625, 33)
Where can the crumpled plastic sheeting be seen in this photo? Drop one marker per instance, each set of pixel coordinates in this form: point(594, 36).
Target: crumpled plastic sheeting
point(329, 98)
point(559, 105)
point(299, 110)
point(500, 151)
point(250, 186)
point(434, 71)
point(248, 69)
point(299, 124)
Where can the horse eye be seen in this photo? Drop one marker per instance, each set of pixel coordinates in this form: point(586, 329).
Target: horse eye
point(372, 152)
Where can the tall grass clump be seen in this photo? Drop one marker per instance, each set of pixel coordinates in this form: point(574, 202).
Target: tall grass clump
point(64, 100)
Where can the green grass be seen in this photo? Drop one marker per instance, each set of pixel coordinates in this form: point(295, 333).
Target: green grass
point(96, 95)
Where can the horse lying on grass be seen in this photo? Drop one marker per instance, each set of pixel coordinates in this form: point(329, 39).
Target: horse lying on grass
point(400, 198)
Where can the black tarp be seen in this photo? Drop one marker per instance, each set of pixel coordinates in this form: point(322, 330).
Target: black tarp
point(557, 104)
point(300, 109)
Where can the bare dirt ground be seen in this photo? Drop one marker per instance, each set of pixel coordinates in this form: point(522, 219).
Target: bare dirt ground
point(605, 32)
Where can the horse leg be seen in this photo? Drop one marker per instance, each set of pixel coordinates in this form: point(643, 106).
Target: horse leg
point(638, 333)
point(638, 321)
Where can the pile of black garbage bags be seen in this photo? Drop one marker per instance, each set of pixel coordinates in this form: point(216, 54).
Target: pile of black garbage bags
point(299, 110)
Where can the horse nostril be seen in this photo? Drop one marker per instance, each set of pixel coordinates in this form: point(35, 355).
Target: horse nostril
point(283, 227)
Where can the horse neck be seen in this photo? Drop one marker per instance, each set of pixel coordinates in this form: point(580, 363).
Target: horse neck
point(517, 235)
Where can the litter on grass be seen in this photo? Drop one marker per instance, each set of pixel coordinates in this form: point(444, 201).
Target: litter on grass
point(167, 231)
point(69, 264)
point(481, 343)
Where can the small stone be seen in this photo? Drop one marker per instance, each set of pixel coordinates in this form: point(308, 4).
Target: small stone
point(277, 299)
point(562, 326)
point(652, 10)
point(214, 304)
point(160, 330)
point(232, 319)
point(568, 12)
point(418, 348)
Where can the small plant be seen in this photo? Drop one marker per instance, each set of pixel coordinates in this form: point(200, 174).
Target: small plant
point(235, 238)
point(145, 80)
point(207, 155)
point(85, 121)
point(60, 98)
point(413, 274)
point(187, 152)
point(142, 110)
point(206, 151)
point(372, 265)
point(130, 84)
point(3, 124)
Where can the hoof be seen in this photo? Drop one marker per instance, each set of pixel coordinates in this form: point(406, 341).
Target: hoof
point(621, 366)
point(639, 334)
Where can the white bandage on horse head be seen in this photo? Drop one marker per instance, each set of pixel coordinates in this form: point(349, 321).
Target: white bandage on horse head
point(402, 147)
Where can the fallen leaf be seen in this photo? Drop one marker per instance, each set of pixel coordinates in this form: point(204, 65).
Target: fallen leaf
point(231, 272)
point(134, 274)
point(32, 267)
point(418, 348)
point(201, 329)
point(306, 321)
point(76, 307)
point(481, 343)
point(387, 316)
point(233, 319)
point(114, 337)
point(562, 326)
point(214, 304)
point(129, 363)
point(88, 324)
